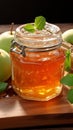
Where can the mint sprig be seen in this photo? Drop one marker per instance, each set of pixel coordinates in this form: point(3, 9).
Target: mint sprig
point(3, 86)
point(68, 60)
point(70, 95)
point(39, 24)
point(29, 27)
point(68, 80)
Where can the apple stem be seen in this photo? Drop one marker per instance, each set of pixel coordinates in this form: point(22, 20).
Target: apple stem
point(11, 29)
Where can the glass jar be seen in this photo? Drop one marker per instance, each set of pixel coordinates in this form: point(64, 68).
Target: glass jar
point(37, 63)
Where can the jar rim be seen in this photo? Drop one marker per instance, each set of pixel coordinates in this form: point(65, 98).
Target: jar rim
point(51, 28)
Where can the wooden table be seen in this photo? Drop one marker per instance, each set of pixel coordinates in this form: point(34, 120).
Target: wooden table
point(18, 113)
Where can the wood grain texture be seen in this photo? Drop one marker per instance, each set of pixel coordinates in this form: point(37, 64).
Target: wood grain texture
point(16, 112)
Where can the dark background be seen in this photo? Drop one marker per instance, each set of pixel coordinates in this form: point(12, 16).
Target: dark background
point(22, 11)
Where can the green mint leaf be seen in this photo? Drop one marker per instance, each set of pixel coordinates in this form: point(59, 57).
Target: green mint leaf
point(67, 80)
point(29, 27)
point(68, 60)
point(40, 22)
point(70, 96)
point(3, 86)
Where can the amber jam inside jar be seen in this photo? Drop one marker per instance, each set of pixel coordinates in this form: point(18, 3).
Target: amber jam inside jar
point(37, 63)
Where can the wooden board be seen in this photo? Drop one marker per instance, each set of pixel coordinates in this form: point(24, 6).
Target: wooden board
point(17, 112)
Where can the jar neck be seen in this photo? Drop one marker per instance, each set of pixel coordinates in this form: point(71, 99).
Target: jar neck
point(20, 49)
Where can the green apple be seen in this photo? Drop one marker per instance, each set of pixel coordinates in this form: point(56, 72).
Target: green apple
point(5, 65)
point(5, 40)
point(68, 36)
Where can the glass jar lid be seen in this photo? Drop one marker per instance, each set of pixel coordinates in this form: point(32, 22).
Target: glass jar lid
point(49, 37)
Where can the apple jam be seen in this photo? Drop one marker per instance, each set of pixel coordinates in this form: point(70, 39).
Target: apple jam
point(37, 63)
